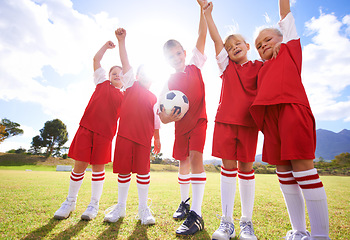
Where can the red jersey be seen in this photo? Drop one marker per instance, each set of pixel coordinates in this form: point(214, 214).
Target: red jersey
point(279, 81)
point(189, 82)
point(102, 112)
point(238, 91)
point(137, 116)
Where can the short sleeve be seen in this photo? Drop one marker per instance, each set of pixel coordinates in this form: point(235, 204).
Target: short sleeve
point(288, 28)
point(222, 60)
point(127, 79)
point(100, 76)
point(198, 59)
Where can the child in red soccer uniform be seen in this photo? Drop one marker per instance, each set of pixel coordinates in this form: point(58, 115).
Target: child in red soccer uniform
point(282, 111)
point(92, 144)
point(235, 132)
point(137, 125)
point(190, 131)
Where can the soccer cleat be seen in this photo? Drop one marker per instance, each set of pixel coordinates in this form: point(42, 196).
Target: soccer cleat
point(146, 217)
point(297, 235)
point(225, 231)
point(91, 211)
point(115, 213)
point(66, 208)
point(182, 211)
point(191, 225)
point(247, 231)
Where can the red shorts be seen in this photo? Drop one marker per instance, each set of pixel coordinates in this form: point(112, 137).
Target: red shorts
point(289, 134)
point(191, 141)
point(90, 147)
point(130, 156)
point(235, 142)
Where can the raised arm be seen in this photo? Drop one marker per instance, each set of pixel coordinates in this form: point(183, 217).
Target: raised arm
point(202, 30)
point(284, 8)
point(99, 55)
point(120, 33)
point(213, 31)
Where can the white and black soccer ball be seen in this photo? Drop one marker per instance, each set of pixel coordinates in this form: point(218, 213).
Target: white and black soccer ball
point(174, 99)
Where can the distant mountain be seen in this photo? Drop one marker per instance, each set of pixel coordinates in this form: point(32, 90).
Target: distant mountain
point(330, 144)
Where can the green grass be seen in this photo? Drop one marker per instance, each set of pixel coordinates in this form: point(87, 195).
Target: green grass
point(28, 200)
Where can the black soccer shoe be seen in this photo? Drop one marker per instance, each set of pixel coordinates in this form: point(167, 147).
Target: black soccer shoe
point(182, 211)
point(191, 225)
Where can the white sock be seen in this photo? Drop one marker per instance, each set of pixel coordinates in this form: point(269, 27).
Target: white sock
point(184, 181)
point(294, 200)
point(198, 185)
point(123, 188)
point(316, 202)
point(142, 189)
point(246, 183)
point(97, 181)
point(76, 179)
point(228, 190)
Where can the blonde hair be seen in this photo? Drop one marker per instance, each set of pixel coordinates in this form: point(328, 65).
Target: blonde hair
point(275, 30)
point(234, 36)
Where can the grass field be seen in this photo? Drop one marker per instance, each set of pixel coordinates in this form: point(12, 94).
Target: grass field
point(29, 199)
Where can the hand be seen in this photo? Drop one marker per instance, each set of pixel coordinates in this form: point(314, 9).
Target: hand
point(208, 8)
point(120, 33)
point(276, 50)
point(157, 146)
point(109, 45)
point(202, 3)
point(167, 118)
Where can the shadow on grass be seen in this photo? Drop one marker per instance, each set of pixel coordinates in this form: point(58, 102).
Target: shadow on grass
point(113, 230)
point(199, 235)
point(71, 231)
point(140, 232)
point(42, 231)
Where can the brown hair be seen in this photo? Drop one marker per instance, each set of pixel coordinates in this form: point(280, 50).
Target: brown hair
point(110, 70)
point(171, 43)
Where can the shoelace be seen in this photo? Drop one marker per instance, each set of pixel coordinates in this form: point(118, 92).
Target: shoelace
point(190, 218)
point(224, 225)
point(182, 206)
point(148, 211)
point(112, 209)
point(294, 234)
point(247, 228)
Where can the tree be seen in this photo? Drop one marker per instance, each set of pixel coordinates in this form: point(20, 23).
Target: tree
point(342, 159)
point(9, 129)
point(155, 158)
point(52, 136)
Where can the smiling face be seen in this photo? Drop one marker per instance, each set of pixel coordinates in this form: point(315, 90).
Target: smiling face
point(266, 41)
point(175, 55)
point(237, 48)
point(114, 77)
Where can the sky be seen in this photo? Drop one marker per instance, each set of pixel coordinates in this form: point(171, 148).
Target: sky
point(47, 47)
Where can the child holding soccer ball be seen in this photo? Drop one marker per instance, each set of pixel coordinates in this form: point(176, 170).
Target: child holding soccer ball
point(92, 144)
point(190, 130)
point(137, 125)
point(282, 111)
point(235, 132)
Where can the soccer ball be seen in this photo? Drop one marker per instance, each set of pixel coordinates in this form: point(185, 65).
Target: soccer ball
point(174, 99)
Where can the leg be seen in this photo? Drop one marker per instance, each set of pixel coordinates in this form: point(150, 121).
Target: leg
point(294, 200)
point(315, 197)
point(76, 179)
point(184, 179)
point(119, 210)
point(228, 176)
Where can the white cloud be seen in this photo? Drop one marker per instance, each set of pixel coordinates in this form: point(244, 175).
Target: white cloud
point(50, 33)
point(326, 67)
